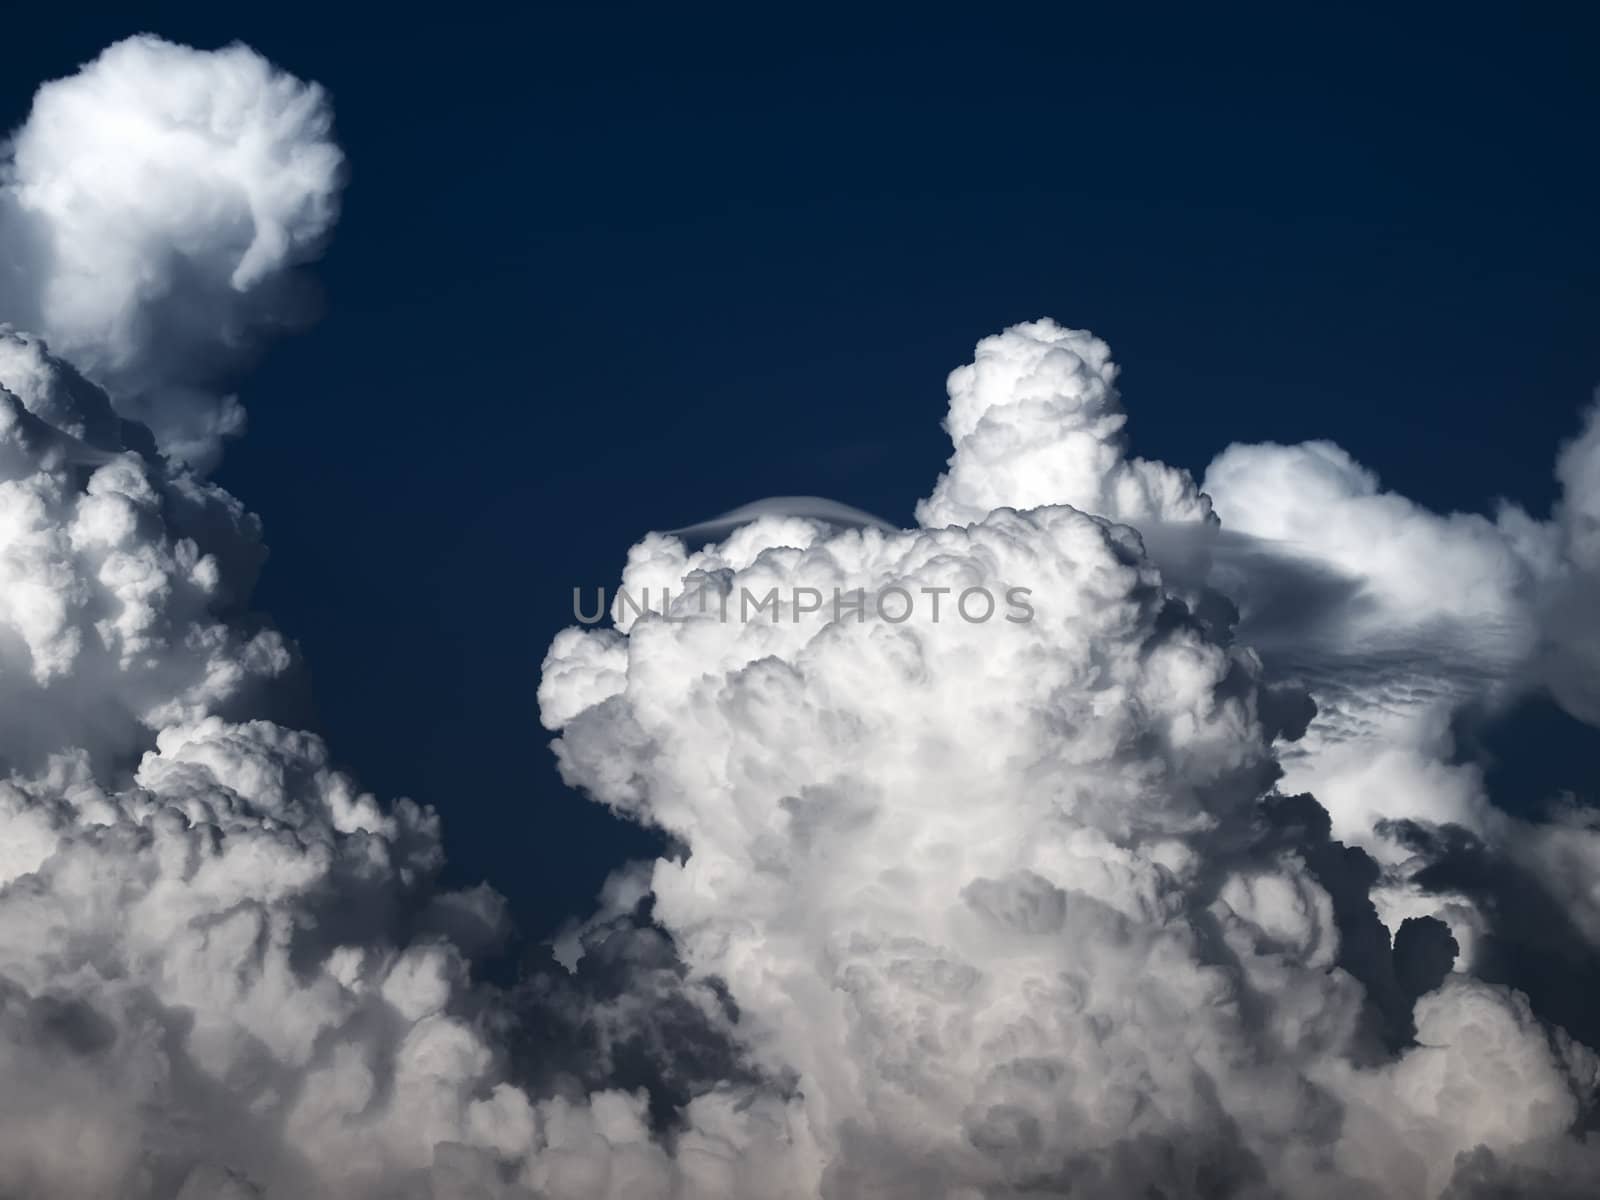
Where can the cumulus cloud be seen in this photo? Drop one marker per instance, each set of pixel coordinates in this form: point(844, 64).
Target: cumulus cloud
point(1036, 420)
point(151, 209)
point(1569, 660)
point(120, 576)
point(1012, 903)
point(1174, 887)
point(225, 970)
point(1031, 909)
point(217, 969)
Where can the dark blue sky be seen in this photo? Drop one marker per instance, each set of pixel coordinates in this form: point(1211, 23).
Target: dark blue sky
point(601, 271)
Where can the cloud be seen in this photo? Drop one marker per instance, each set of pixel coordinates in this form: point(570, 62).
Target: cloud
point(1024, 908)
point(815, 507)
point(999, 897)
point(221, 966)
point(1036, 419)
point(225, 970)
point(152, 207)
point(120, 576)
point(1569, 658)
point(1177, 886)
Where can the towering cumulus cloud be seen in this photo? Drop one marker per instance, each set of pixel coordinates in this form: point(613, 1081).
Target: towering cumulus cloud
point(1031, 908)
point(1166, 882)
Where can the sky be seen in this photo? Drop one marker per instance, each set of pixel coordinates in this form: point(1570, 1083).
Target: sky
point(601, 272)
point(646, 267)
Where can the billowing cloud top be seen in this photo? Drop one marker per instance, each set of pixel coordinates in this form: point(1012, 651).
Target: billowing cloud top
point(152, 204)
point(1175, 887)
point(1036, 420)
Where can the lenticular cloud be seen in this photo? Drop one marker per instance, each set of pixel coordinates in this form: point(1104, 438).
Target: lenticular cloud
point(1180, 888)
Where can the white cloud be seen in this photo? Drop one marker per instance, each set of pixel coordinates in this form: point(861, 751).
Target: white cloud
point(1036, 419)
point(1002, 896)
point(224, 970)
point(955, 909)
point(152, 204)
point(116, 575)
